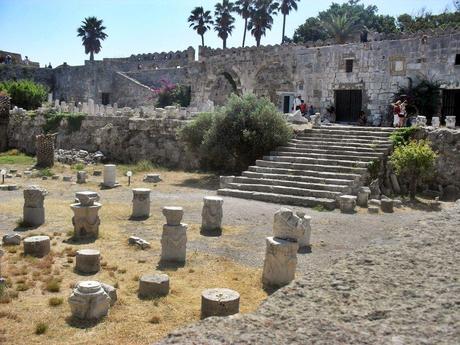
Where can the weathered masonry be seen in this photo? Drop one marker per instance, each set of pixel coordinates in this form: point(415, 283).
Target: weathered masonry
point(352, 77)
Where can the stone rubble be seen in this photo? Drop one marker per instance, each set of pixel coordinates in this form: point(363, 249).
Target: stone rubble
point(141, 243)
point(78, 156)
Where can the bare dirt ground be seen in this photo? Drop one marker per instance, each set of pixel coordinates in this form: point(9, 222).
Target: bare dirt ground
point(233, 259)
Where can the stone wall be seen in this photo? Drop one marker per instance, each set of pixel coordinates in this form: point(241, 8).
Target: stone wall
point(43, 76)
point(128, 136)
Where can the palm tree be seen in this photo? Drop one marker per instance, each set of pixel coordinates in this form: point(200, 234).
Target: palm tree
point(201, 21)
point(285, 8)
point(341, 27)
point(242, 7)
point(261, 18)
point(223, 24)
point(92, 33)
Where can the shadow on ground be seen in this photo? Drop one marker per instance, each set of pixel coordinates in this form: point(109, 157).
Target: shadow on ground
point(206, 182)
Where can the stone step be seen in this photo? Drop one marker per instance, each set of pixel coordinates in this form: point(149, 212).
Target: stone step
point(307, 173)
point(336, 155)
point(350, 132)
point(343, 138)
point(297, 178)
point(332, 148)
point(296, 184)
point(262, 188)
point(317, 167)
point(355, 128)
point(351, 142)
point(329, 204)
point(317, 161)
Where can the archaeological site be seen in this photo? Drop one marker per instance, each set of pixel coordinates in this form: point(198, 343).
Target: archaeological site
point(302, 187)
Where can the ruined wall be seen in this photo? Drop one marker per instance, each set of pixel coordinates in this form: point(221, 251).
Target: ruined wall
point(43, 76)
point(128, 136)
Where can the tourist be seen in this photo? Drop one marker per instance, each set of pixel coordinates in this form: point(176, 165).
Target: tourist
point(362, 119)
point(297, 103)
point(396, 112)
point(26, 61)
point(303, 107)
point(311, 110)
point(402, 114)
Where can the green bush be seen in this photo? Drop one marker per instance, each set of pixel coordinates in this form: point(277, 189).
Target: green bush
point(237, 134)
point(41, 328)
point(179, 95)
point(402, 136)
point(53, 119)
point(415, 162)
point(25, 93)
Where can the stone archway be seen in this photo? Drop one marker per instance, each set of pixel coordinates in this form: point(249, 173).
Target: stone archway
point(226, 83)
point(271, 80)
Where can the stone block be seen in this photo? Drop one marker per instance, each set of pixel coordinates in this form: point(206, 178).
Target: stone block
point(305, 223)
point(86, 220)
point(111, 291)
point(347, 203)
point(141, 203)
point(11, 239)
point(212, 213)
point(373, 209)
point(450, 121)
point(363, 196)
point(110, 175)
point(141, 243)
point(38, 246)
point(81, 177)
point(155, 285)
point(224, 181)
point(386, 205)
point(89, 301)
point(286, 225)
point(280, 262)
point(174, 243)
point(173, 214)
point(219, 302)
point(152, 178)
point(374, 202)
point(88, 261)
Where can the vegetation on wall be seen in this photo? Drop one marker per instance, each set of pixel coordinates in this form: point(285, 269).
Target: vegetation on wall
point(402, 136)
point(172, 94)
point(25, 93)
point(414, 162)
point(54, 118)
point(235, 135)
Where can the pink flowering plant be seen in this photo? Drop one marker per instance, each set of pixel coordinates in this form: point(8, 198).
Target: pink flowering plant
point(169, 93)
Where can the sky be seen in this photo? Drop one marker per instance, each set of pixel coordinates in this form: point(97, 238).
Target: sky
point(45, 30)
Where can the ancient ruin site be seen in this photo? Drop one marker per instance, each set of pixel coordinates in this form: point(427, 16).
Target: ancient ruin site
point(290, 175)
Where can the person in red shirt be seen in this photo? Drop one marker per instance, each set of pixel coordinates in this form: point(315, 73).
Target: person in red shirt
point(303, 107)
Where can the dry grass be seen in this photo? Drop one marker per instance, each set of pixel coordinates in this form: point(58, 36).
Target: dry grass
point(130, 320)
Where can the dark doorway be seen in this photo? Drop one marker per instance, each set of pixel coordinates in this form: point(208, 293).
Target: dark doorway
point(348, 104)
point(451, 104)
point(105, 98)
point(286, 103)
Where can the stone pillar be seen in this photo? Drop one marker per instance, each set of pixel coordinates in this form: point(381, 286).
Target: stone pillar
point(141, 203)
point(34, 211)
point(89, 301)
point(280, 262)
point(81, 177)
point(110, 175)
point(304, 240)
point(435, 121)
point(38, 246)
point(90, 106)
point(420, 121)
point(347, 203)
point(386, 205)
point(219, 302)
point(287, 225)
point(450, 121)
point(88, 261)
point(153, 285)
point(4, 120)
point(86, 219)
point(45, 150)
point(174, 236)
point(211, 215)
point(363, 196)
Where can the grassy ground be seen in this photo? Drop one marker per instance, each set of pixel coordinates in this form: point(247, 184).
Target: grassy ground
point(34, 307)
point(14, 157)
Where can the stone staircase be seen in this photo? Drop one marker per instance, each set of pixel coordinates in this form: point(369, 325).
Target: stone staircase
point(314, 168)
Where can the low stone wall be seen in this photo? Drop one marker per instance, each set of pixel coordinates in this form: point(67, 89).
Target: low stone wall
point(128, 136)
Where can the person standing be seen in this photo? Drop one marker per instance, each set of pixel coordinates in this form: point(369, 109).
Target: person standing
point(303, 107)
point(297, 103)
point(402, 114)
point(396, 112)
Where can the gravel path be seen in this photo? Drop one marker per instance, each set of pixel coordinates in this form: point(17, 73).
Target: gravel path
point(401, 289)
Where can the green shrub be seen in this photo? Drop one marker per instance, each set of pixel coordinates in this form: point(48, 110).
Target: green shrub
point(25, 93)
point(55, 301)
point(41, 328)
point(45, 172)
point(171, 94)
point(374, 168)
point(237, 134)
point(415, 162)
point(53, 120)
point(402, 136)
point(53, 285)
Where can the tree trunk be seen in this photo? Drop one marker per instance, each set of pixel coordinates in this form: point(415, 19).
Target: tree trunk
point(202, 40)
point(413, 188)
point(284, 28)
point(258, 40)
point(245, 29)
point(224, 43)
point(91, 56)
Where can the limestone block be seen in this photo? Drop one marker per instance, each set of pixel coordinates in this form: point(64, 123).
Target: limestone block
point(304, 240)
point(152, 178)
point(363, 196)
point(55, 177)
point(224, 181)
point(219, 302)
point(373, 209)
point(111, 291)
point(97, 173)
point(67, 178)
point(212, 213)
point(174, 243)
point(397, 203)
point(420, 121)
point(88, 261)
point(11, 239)
point(173, 214)
point(86, 198)
point(141, 203)
point(33, 216)
point(110, 175)
point(38, 246)
point(141, 243)
point(347, 203)
point(280, 262)
point(81, 177)
point(153, 285)
point(450, 121)
point(286, 225)
point(89, 301)
point(435, 122)
point(386, 205)
point(86, 220)
point(34, 196)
